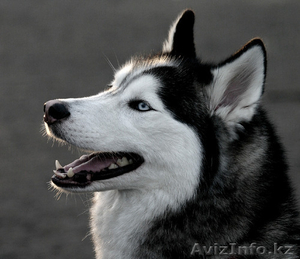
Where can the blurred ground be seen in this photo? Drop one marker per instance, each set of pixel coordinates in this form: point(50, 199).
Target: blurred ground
point(52, 49)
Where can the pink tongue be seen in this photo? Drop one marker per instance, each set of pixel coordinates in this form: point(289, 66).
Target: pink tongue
point(89, 163)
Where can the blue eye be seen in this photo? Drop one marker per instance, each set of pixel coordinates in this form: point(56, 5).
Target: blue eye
point(140, 106)
point(143, 106)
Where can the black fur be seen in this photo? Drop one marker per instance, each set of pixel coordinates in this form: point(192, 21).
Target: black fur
point(243, 195)
point(183, 44)
point(248, 200)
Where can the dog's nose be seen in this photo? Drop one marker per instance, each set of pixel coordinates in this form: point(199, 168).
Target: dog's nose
point(55, 111)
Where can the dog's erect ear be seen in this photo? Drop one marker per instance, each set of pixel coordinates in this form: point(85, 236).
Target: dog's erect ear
point(238, 84)
point(181, 36)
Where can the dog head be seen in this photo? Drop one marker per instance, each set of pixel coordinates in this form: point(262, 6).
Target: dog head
point(150, 129)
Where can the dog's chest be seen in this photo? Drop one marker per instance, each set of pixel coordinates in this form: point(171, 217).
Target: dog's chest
point(118, 225)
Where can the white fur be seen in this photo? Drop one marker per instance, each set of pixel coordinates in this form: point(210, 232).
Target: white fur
point(168, 177)
point(247, 72)
point(126, 206)
point(168, 43)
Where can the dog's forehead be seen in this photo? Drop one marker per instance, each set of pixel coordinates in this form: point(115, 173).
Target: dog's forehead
point(141, 86)
point(122, 74)
point(137, 68)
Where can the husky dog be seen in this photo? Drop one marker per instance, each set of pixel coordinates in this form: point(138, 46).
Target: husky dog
point(183, 160)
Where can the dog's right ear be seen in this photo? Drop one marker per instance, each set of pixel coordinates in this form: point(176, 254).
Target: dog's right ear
point(181, 36)
point(238, 84)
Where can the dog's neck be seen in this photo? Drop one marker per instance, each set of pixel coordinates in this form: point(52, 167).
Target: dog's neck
point(120, 220)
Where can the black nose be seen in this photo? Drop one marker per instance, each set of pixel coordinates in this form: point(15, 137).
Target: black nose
point(55, 111)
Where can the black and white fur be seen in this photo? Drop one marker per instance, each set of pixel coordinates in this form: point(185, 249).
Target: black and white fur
point(213, 169)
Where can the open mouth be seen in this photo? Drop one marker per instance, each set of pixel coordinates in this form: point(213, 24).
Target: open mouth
point(95, 167)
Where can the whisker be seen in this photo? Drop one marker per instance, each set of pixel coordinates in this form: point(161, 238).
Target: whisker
point(117, 59)
point(109, 63)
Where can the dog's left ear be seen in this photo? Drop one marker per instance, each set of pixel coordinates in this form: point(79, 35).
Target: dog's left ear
point(238, 84)
point(181, 36)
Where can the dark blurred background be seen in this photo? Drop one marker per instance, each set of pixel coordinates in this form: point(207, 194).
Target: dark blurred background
point(58, 49)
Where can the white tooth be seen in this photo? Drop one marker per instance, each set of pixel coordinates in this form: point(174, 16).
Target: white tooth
point(119, 162)
point(113, 166)
point(59, 174)
point(58, 165)
point(125, 161)
point(89, 177)
point(122, 162)
point(70, 173)
point(130, 161)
